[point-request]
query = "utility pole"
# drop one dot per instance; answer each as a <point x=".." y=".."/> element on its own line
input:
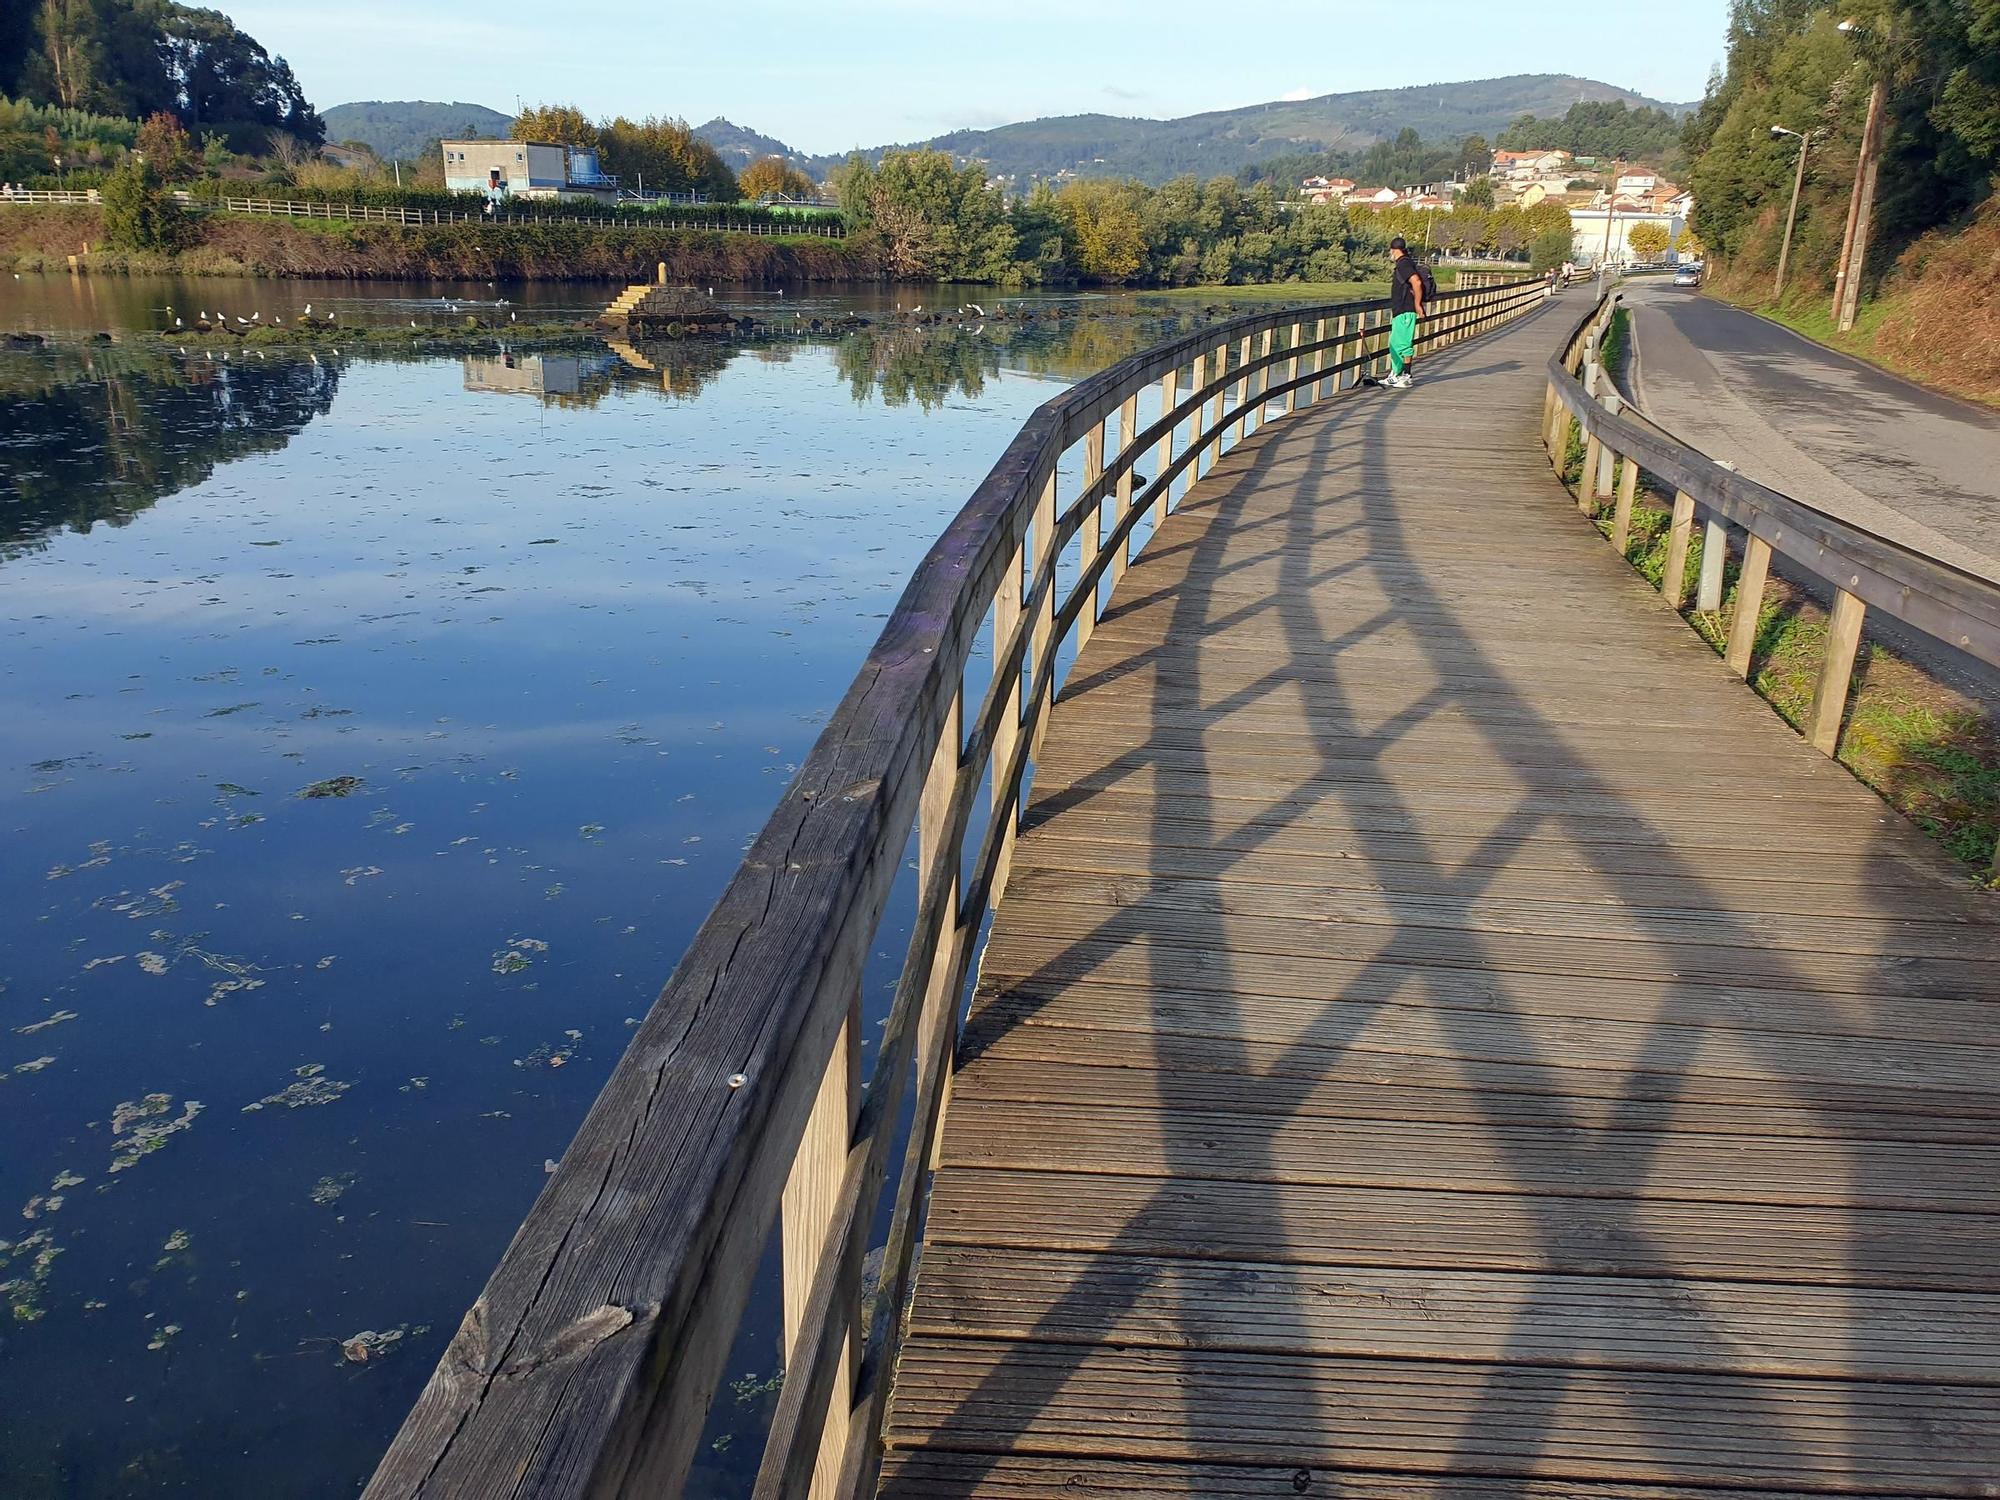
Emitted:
<point x="1861" y="205"/>
<point x="1792" y="216"/>
<point x="1860" y="210"/>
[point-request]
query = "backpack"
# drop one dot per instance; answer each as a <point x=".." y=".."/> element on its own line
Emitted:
<point x="1429" y="281"/>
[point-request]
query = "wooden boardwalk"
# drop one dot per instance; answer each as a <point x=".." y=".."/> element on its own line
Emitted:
<point x="1445" y="1037"/>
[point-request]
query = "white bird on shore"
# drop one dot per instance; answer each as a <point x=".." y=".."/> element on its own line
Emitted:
<point x="179" y="324"/>
<point x="243" y="320"/>
<point x="977" y="308"/>
<point x="256" y="317"/>
<point x="309" y="309"/>
<point x="413" y="322"/>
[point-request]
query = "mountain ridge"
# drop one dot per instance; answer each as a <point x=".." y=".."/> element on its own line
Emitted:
<point x="1210" y="143"/>
<point x="404" y="129"/>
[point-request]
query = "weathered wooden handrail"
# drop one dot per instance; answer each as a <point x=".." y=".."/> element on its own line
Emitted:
<point x="1862" y="569"/>
<point x="587" y="1365"/>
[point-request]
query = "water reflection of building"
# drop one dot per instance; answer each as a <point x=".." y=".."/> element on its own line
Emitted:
<point x="545" y="376"/>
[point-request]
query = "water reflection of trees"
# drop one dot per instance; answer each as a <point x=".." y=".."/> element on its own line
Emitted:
<point x="896" y="364"/>
<point x="89" y="436"/>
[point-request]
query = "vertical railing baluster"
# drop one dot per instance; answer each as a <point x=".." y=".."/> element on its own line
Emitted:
<point x="1749" y="604"/>
<point x="1829" y="704"/>
<point x="1093" y="531"/>
<point x="1243" y="391"/>
<point x="1621" y="515"/>
<point x="1680" y="531"/>
<point x="1043" y="642"/>
<point x="1128" y="427"/>
<point x="1292" y="370"/>
<point x="1163" y="455"/>
<point x="810" y="1200"/>
<point x="1196" y="380"/>
<point x="1714" y="554"/>
<point x="1007" y="730"/>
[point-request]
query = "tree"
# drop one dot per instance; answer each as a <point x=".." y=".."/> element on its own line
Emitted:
<point x="1478" y="193"/>
<point x="1107" y="242"/>
<point x="666" y="155"/>
<point x="164" y="142"/>
<point x="1549" y="249"/>
<point x="223" y="79"/>
<point x="1647" y="239"/>
<point x="773" y="176"/>
<point x="555" y="124"/>
<point x="138" y="214"/>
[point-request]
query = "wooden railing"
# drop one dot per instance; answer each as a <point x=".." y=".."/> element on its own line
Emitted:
<point x="587" y="1366"/>
<point x="722" y="223"/>
<point x="1859" y="569"/>
<point x="363" y="213"/>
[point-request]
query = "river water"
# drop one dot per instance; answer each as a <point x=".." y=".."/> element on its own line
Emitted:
<point x="374" y="734"/>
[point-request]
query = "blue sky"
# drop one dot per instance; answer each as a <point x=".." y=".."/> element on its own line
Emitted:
<point x="825" y="75"/>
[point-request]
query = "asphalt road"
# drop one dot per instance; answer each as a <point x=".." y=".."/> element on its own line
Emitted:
<point x="1913" y="466"/>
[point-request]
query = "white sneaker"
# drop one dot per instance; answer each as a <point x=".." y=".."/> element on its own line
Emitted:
<point x="1398" y="382"/>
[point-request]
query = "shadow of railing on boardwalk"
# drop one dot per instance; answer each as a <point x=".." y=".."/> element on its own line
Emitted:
<point x="1551" y="1123"/>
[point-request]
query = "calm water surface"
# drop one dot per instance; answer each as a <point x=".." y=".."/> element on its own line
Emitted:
<point x="373" y="737"/>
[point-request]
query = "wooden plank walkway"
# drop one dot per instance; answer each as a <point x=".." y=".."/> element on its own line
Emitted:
<point x="1445" y="1037"/>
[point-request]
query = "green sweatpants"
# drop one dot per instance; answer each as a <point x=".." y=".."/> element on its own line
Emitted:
<point x="1402" y="341"/>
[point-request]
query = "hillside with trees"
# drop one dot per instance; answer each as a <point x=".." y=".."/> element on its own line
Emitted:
<point x="135" y="58"/>
<point x="407" y="129"/>
<point x="1609" y="129"/>
<point x="1258" y="141"/>
<point x="1936" y="230"/>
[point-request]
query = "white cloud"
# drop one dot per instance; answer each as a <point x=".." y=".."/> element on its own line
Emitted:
<point x="1297" y="94"/>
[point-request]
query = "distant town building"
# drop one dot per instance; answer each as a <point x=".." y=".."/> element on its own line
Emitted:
<point x="526" y="169"/>
<point x="1373" y="197"/>
<point x="1327" y="189"/>
<point x="1527" y="165"/>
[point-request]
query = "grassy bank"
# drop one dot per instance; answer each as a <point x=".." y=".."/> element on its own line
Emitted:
<point x="43" y="239"/>
<point x="1930" y="751"/>
<point x="1935" y="318"/>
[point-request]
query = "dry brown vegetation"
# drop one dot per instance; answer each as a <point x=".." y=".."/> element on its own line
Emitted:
<point x="1935" y="317"/>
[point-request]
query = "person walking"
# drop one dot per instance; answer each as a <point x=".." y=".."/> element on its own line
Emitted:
<point x="1408" y="282"/>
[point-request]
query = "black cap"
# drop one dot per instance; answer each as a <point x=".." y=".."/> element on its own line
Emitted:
<point x="1397" y="243"/>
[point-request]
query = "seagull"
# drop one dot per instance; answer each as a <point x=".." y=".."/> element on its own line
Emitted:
<point x="413" y="322"/>
<point x="179" y="324"/>
<point x="510" y="317"/>
<point x="309" y="309"/>
<point x="243" y="320"/>
<point x="329" y="317"/>
<point x="256" y="317"/>
<point x="977" y="308"/>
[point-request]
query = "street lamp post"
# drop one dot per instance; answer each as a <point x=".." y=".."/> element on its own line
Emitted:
<point x="1778" y="132"/>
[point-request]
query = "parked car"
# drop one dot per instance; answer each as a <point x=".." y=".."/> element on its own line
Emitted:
<point x="1688" y="276"/>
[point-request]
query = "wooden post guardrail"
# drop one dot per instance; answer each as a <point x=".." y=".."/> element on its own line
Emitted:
<point x="587" y="1365"/>
<point x="1862" y="570"/>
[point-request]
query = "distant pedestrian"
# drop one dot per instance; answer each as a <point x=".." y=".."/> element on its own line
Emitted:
<point x="1409" y="285"/>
